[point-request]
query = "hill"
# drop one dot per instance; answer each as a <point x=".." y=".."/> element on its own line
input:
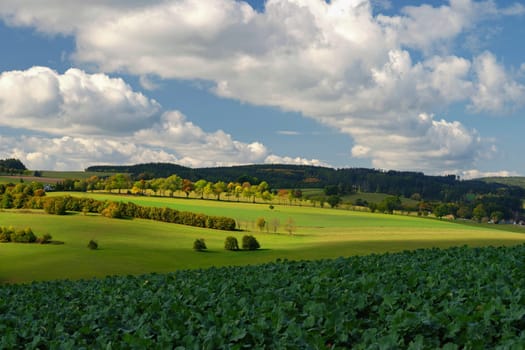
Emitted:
<point x="518" y="181"/>
<point x="403" y="183"/>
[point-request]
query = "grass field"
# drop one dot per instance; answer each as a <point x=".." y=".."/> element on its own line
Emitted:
<point x="140" y="246"/>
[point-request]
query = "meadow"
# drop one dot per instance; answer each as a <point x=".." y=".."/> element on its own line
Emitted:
<point x="142" y="246"/>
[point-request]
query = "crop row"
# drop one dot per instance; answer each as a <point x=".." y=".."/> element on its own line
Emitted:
<point x="455" y="298"/>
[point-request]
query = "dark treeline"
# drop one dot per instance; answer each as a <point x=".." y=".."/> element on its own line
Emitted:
<point x="398" y="183"/>
<point x="11" y="166"/>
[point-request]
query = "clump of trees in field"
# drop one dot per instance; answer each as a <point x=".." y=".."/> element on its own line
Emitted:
<point x="22" y="235"/>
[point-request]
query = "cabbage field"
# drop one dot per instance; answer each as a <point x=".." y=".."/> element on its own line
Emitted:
<point x="428" y="298"/>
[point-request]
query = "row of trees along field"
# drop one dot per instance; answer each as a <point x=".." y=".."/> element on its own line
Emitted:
<point x="463" y="199"/>
<point x="32" y="196"/>
<point x="447" y="188"/>
<point x="175" y="185"/>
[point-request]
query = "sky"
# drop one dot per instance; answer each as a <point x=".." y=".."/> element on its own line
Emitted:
<point x="430" y="86"/>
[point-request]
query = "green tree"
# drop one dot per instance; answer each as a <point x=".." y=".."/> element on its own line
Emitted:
<point x="250" y="243"/>
<point x="479" y="212"/>
<point x="199" y="244"/>
<point x="389" y="204"/>
<point x="334" y="200"/>
<point x="218" y="188"/>
<point x="231" y="243"/>
<point x="173" y="184"/>
<point x="290" y="226"/>
<point x="119" y="182"/>
<point x="199" y="187"/>
<point x="260" y="223"/>
<point x="441" y="210"/>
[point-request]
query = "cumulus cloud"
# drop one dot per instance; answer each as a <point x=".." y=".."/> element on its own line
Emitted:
<point x="74" y="102"/>
<point x="275" y="159"/>
<point x="336" y="62"/>
<point x="496" y="91"/>
<point x="196" y="147"/>
<point x="476" y="174"/>
<point x="75" y="153"/>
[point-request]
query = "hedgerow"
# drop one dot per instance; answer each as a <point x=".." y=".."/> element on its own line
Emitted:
<point x="456" y="298"/>
<point x="112" y="209"/>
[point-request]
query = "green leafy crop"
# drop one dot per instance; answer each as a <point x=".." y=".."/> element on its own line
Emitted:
<point x="453" y="298"/>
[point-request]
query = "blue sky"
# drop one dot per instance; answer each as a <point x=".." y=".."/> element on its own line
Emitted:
<point x="432" y="86"/>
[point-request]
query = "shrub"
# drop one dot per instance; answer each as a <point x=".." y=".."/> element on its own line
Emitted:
<point x="250" y="243"/>
<point x="231" y="243"/>
<point x="92" y="245"/>
<point x="24" y="236"/>
<point x="6" y="233"/>
<point x="46" y="238"/>
<point x="199" y="245"/>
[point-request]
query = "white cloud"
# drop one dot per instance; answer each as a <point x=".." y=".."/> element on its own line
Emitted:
<point x="476" y="174"/>
<point x="275" y="159"/>
<point x="76" y="153"/>
<point x="196" y="147"/>
<point x="496" y="90"/>
<point x="288" y="132"/>
<point x="335" y="62"/>
<point x="74" y="102"/>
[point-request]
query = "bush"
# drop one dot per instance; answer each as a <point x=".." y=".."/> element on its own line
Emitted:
<point x="250" y="243"/>
<point x="6" y="233"/>
<point x="46" y="238"/>
<point x="24" y="236"/>
<point x="92" y="245"/>
<point x="231" y="243"/>
<point x="199" y="245"/>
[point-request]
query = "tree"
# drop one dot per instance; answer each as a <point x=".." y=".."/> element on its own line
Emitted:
<point x="231" y="243"/>
<point x="479" y="212"/>
<point x="199" y="245"/>
<point x="275" y="224"/>
<point x="199" y="187"/>
<point x="173" y="184"/>
<point x="250" y="243"/>
<point x="290" y="226"/>
<point x="496" y="216"/>
<point x="389" y="204"/>
<point x="261" y="223"/>
<point x="93" y="245"/>
<point x="334" y="200"/>
<point x="140" y="186"/>
<point x="441" y="210"/>
<point x="218" y="188"/>
<point x="187" y="187"/>
<point x="119" y="182"/>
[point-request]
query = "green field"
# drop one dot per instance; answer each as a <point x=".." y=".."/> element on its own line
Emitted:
<point x="141" y="246"/>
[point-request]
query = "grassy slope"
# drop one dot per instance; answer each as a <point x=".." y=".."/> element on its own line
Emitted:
<point x="510" y="180"/>
<point x="140" y="246"/>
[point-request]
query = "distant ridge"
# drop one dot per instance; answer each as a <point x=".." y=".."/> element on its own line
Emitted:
<point x="403" y="183"/>
<point x="518" y="181"/>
